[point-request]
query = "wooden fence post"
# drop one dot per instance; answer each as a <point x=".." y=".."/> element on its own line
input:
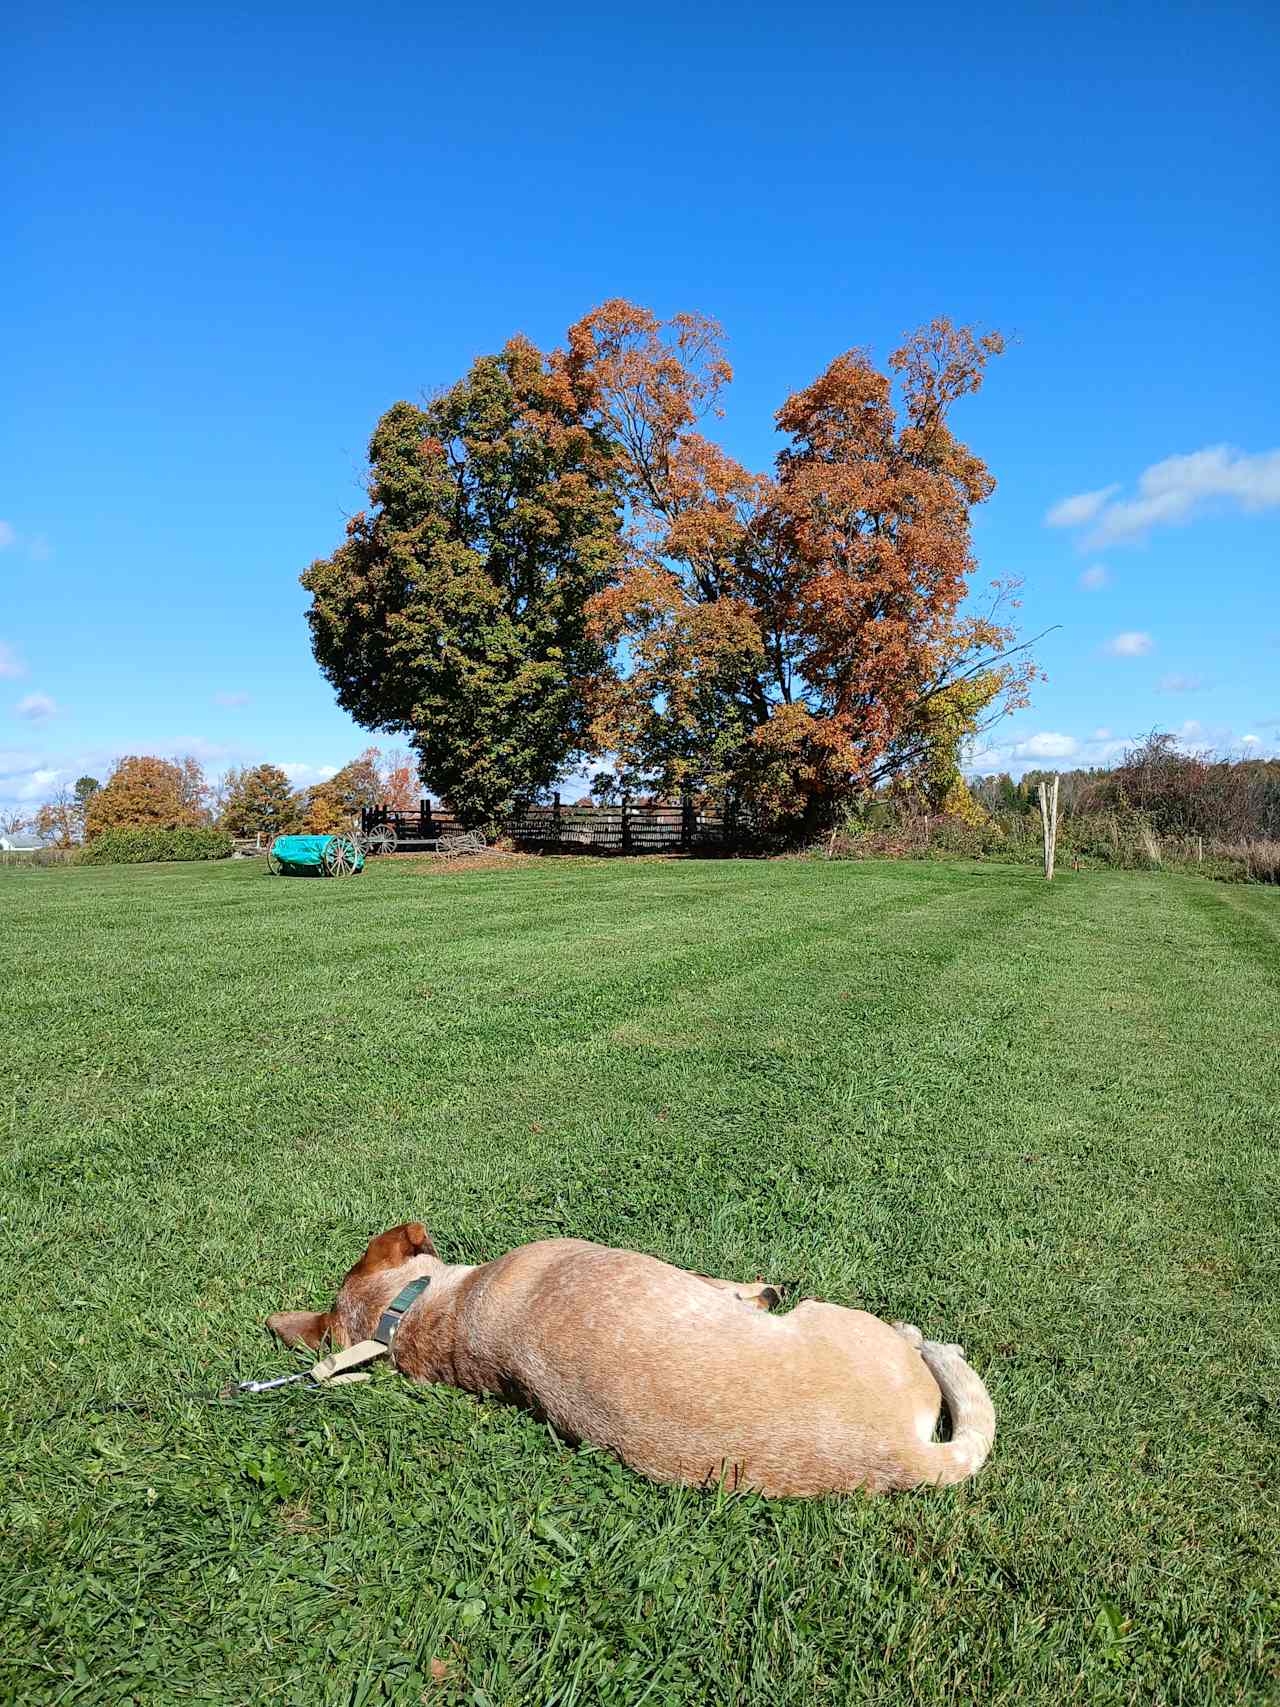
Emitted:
<point x="686" y="821"/>
<point x="556" y="799"/>
<point x="1049" y="825"/>
<point x="626" y="823"/>
<point x="1053" y="844"/>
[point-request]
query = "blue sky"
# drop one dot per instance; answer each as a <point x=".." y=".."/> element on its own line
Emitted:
<point x="237" y="236"/>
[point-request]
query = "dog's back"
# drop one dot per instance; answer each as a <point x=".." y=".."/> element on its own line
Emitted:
<point x="682" y="1380"/>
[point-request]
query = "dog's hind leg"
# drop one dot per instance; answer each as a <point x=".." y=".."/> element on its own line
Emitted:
<point x="909" y="1332"/>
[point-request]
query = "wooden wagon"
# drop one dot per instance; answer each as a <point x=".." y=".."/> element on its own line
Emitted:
<point x="315" y="856"/>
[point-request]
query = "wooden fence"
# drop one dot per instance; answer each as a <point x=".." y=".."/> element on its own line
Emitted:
<point x="631" y="827"/>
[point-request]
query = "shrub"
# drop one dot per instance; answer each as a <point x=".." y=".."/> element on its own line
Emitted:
<point x="1246" y="861"/>
<point x="140" y="847"/>
<point x="1123" y="839"/>
<point x="880" y="832"/>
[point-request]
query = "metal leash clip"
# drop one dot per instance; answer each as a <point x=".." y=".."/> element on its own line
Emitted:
<point x="337" y="1370"/>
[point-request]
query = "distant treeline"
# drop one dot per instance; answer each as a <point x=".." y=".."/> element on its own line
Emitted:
<point x="1177" y="793"/>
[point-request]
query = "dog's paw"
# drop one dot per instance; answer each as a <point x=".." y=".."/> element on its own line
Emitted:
<point x="944" y="1349"/>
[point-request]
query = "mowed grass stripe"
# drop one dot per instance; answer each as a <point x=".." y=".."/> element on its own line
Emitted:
<point x="1036" y="1119"/>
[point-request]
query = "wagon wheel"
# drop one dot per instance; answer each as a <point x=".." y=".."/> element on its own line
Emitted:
<point x="448" y="847"/>
<point x="478" y="843"/>
<point x="340" y="856"/>
<point x="382" y="840"/>
<point x="275" y="865"/>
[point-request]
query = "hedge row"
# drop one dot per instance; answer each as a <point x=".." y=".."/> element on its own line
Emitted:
<point x="139" y="847"/>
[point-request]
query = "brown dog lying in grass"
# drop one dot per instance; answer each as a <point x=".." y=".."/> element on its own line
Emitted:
<point x="685" y="1378"/>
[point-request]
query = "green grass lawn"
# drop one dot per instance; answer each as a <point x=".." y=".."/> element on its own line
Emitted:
<point x="1042" y="1121"/>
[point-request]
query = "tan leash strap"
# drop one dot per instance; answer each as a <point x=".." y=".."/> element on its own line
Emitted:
<point x="335" y="1368"/>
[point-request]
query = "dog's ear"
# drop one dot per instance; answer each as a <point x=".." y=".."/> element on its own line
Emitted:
<point x="305" y="1327"/>
<point x="396" y="1245"/>
<point x="418" y="1238"/>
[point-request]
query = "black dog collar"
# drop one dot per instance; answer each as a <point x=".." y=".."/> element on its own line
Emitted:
<point x="400" y="1305"/>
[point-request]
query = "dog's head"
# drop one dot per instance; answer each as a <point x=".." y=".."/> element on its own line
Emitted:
<point x="391" y="1261"/>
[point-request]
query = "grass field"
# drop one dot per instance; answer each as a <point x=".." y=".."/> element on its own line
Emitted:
<point x="1042" y="1121"/>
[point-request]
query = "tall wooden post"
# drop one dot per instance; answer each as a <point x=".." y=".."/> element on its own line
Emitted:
<point x="1049" y="825"/>
<point x="686" y="821"/>
<point x="556" y="816"/>
<point x="626" y="823"/>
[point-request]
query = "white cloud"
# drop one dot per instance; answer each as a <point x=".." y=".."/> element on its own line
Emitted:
<point x="1173" y="492"/>
<point x="1180" y="684"/>
<point x="195" y="747"/>
<point x="1250" y="740"/>
<point x="300" y="773"/>
<point x="1132" y="644"/>
<point x="1075" y="512"/>
<point x="1193" y="738"/>
<point x="36" y="707"/>
<point x="231" y="699"/>
<point x="1037" y="751"/>
<point x="16" y="760"/>
<point x="30" y="775"/>
<point x="34" y="785"/>
<point x="1094" y="577"/>
<point x="7" y="535"/>
<point x="1047" y="745"/>
<point x="11" y="666"/>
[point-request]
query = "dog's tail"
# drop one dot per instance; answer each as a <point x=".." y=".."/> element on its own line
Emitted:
<point x="973" y="1417"/>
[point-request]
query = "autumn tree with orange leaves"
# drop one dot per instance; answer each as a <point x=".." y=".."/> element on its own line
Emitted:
<point x="144" y="792"/>
<point x="797" y="637"/>
<point x="801" y="636"/>
<point x="401" y="789"/>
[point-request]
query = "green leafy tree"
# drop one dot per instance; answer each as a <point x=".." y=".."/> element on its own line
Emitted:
<point x="260" y="801"/>
<point x="454" y="613"/>
<point x="933" y="742"/>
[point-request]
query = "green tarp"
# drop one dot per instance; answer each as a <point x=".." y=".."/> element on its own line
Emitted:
<point x="311" y="853"/>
